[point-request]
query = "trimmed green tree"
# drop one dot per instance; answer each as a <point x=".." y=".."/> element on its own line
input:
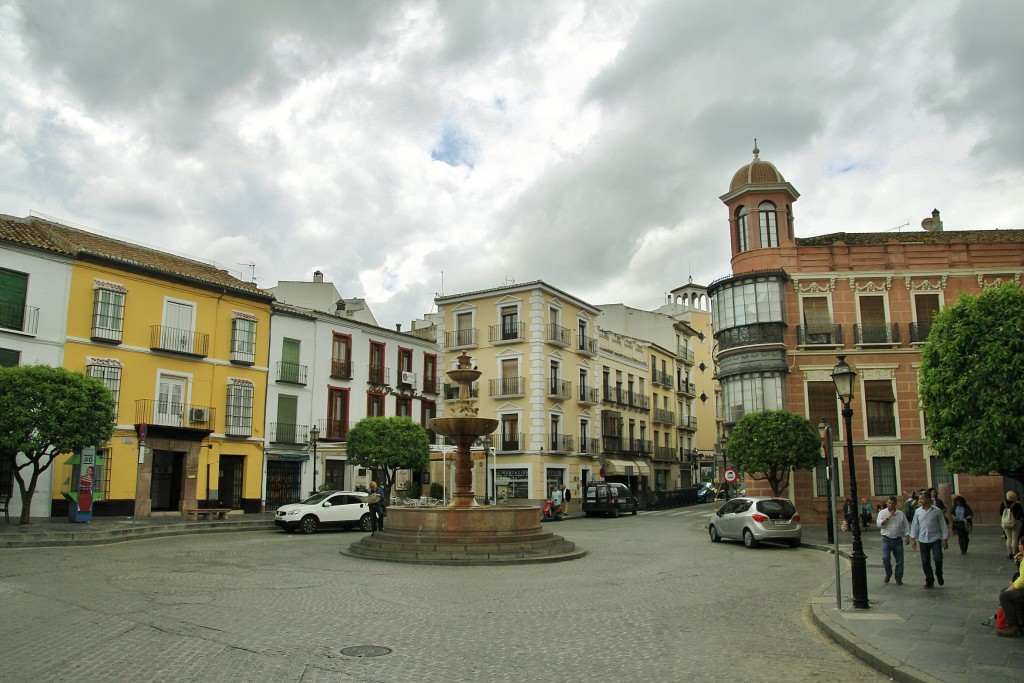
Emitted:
<point x="768" y="444"/>
<point x="972" y="383"/>
<point x="46" y="411"/>
<point x="386" y="445"/>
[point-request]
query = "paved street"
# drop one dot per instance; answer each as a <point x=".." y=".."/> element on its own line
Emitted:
<point x="653" y="600"/>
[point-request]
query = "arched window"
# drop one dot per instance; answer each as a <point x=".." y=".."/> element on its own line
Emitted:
<point x="769" y="230"/>
<point x="741" y="228"/>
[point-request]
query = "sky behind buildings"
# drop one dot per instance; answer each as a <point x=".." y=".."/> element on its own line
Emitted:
<point x="407" y="149"/>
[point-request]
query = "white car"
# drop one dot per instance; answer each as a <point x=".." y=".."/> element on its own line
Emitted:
<point x="344" y="509"/>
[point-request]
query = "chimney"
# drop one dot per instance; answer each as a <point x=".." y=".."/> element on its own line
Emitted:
<point x="933" y="224"/>
<point x="318" y="276"/>
<point x="398" y="327"/>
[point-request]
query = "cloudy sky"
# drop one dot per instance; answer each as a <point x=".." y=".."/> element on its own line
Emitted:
<point x="411" y="148"/>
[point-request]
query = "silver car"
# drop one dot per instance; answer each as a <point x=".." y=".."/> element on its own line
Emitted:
<point x="753" y="519"/>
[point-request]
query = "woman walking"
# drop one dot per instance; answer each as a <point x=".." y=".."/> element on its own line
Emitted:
<point x="963" y="521"/>
<point x="1010" y="515"/>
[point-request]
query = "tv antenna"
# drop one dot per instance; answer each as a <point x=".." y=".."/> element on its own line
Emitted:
<point x="252" y="271"/>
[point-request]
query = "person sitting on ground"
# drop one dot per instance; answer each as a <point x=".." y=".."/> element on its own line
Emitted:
<point x="1011" y="600"/>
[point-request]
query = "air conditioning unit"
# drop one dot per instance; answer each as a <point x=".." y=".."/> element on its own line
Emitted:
<point x="408" y="378"/>
<point x="199" y="415"/>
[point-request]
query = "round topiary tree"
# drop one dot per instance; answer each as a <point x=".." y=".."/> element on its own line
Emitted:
<point x="768" y="444"/>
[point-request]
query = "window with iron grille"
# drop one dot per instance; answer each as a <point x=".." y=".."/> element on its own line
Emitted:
<point x="109" y="374"/>
<point x="821" y="476"/>
<point x="107" y="314"/>
<point x="243" y="340"/>
<point x="884" y="471"/>
<point x="940" y="475"/>
<point x="880" y="405"/>
<point x="238" y="418"/>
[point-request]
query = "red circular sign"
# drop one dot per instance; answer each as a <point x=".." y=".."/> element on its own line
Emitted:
<point x="730" y="475"/>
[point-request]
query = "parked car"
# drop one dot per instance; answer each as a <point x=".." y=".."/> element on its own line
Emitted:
<point x="345" y="509"/>
<point x="705" y="493"/>
<point x="609" y="498"/>
<point x="755" y="519"/>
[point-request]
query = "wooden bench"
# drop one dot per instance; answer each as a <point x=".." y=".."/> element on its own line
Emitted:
<point x="193" y="514"/>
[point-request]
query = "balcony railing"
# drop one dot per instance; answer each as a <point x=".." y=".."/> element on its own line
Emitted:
<point x="638" y="401"/>
<point x="378" y="374"/>
<point x="665" y="453"/>
<point x="509" y="442"/>
<point x="833" y="337"/>
<point x="479" y="442"/>
<point x="15" y="316"/>
<point x="341" y="369"/>
<point x="175" y="340"/>
<point x="880" y="334"/>
<point x="508" y="386"/>
<point x="560" y="443"/>
<point x="589" y="445"/>
<point x="559" y="388"/>
<point x="332" y="429"/>
<point x="175" y="414"/>
<point x="289" y="433"/>
<point x="431" y="384"/>
<point x="507" y="332"/>
<point x="589" y="395"/>
<point x="688" y="388"/>
<point x="559" y="335"/>
<point x="662" y="378"/>
<point x="291" y="373"/>
<point x="919" y="332"/>
<point x="687" y="422"/>
<point x="451" y="391"/>
<point x="686" y="355"/>
<point x="664" y="416"/>
<point x="750" y="335"/>
<point x="587" y="346"/>
<point x="459" y="338"/>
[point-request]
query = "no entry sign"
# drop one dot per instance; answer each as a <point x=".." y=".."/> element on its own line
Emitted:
<point x="730" y="475"/>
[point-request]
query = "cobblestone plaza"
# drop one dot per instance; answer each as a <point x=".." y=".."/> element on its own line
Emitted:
<point x="652" y="598"/>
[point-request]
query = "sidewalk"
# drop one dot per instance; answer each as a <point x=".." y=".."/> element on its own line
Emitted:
<point x="57" y="531"/>
<point x="915" y="634"/>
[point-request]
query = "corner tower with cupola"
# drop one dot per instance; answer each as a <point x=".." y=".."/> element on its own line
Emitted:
<point x="760" y="205"/>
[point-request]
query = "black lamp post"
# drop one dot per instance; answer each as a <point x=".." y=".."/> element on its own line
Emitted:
<point x="844" y="376"/>
<point x="826" y="447"/>
<point x="314" y="436"/>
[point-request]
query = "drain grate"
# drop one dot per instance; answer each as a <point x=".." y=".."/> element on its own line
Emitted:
<point x="365" y="651"/>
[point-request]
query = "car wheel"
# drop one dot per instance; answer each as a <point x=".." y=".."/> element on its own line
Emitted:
<point x="748" y="539"/>
<point x="308" y="524"/>
<point x="615" y="511"/>
<point x="713" y="533"/>
<point x="635" y="509"/>
<point x="366" y="522"/>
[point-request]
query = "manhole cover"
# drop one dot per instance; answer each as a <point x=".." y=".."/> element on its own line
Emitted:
<point x="365" y="651"/>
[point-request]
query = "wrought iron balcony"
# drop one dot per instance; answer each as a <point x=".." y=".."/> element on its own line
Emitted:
<point x="757" y="334"/>
<point x="508" y="386"/>
<point x="507" y="443"/>
<point x="589" y="395"/>
<point x="460" y="338"/>
<point x="291" y="373"/>
<point x="560" y="443"/>
<point x="288" y="433"/>
<point x="662" y="378"/>
<point x="559" y="335"/>
<point x="664" y="416"/>
<point x="15" y="316"/>
<point x="919" y="332"/>
<point x="688" y="388"/>
<point x="378" y="374"/>
<point x="451" y="391"/>
<point x="877" y="334"/>
<point x="589" y="445"/>
<point x="685" y="355"/>
<point x="587" y="346"/>
<point x="175" y="414"/>
<point x="175" y="340"/>
<point x="687" y="422"/>
<point x="431" y="383"/>
<point x="665" y="453"/>
<point x="341" y="369"/>
<point x="507" y="333"/>
<point x="559" y="388"/>
<point x="332" y="429"/>
<point x="833" y="337"/>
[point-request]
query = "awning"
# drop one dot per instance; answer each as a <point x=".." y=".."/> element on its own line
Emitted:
<point x="626" y="468"/>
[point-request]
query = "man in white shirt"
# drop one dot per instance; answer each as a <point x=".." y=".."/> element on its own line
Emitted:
<point x="895" y="534"/>
<point x="930" y="530"/>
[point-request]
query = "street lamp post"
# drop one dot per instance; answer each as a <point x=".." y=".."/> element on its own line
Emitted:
<point x="314" y="436"/>
<point x="844" y="376"/>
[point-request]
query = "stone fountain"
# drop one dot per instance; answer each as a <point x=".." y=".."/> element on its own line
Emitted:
<point x="464" y="532"/>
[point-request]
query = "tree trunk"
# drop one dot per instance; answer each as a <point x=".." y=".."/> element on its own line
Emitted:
<point x="26" y="506"/>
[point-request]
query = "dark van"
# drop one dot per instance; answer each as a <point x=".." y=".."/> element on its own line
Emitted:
<point x="609" y="498"/>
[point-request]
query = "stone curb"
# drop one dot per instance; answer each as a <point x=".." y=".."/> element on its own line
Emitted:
<point x="867" y="653"/>
<point x="54" y="539"/>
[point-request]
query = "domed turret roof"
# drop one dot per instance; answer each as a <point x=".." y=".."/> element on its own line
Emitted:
<point x="757" y="172"/>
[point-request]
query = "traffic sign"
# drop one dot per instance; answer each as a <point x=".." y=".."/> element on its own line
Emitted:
<point x="730" y="475"/>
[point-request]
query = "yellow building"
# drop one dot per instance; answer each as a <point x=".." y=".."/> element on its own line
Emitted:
<point x="537" y="348"/>
<point x="184" y="347"/>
